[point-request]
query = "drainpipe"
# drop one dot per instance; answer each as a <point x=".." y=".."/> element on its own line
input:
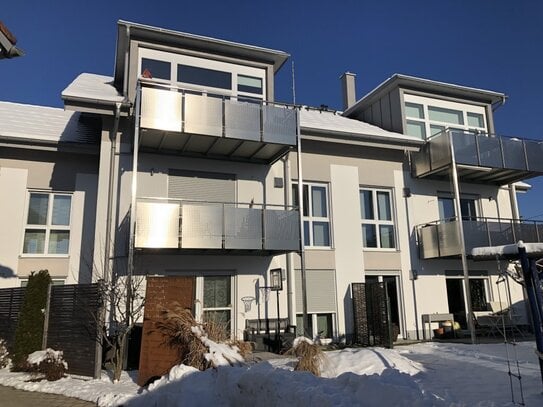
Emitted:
<point x="291" y="313"/>
<point x="126" y="60"/>
<point x="460" y="231"/>
<point x="111" y="185"/>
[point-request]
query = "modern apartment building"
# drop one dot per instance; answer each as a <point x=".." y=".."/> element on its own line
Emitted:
<point x="182" y="168"/>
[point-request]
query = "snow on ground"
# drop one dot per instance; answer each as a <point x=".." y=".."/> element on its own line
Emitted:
<point x="429" y="374"/>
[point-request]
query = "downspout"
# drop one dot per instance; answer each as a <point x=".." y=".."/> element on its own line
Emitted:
<point x="126" y="60"/>
<point x="514" y="202"/>
<point x="111" y="185"/>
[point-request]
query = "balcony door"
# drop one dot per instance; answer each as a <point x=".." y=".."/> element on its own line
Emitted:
<point x="447" y="210"/>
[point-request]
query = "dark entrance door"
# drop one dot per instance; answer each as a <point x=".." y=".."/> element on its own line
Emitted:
<point x="455" y="299"/>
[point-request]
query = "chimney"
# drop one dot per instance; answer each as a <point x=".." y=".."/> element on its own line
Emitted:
<point x="348" y="89"/>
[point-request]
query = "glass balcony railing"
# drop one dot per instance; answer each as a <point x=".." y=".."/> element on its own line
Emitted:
<point x="169" y="108"/>
<point x="441" y="239"/>
<point x="179" y="224"/>
<point x="480" y="157"/>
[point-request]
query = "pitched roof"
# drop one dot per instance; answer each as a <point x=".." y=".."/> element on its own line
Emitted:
<point x="50" y="125"/>
<point x="92" y="88"/>
<point x="332" y="124"/>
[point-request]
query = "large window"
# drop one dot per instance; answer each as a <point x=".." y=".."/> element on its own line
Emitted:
<point x="47" y="228"/>
<point x="315" y="213"/>
<point x="377" y="219"/>
<point x="426" y="117"/>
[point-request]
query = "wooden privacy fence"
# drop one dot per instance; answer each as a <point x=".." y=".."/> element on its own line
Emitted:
<point x="70" y="323"/>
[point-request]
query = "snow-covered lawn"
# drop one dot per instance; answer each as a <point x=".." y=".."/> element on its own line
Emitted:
<point x="429" y="374"/>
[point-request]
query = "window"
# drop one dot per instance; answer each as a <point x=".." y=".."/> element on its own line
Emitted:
<point x="204" y="77"/>
<point x="377" y="222"/>
<point x="24" y="282"/>
<point x="316" y="214"/>
<point x="217" y="300"/>
<point x="447" y="210"/>
<point x="324" y="323"/>
<point x="47" y="228"/>
<point x="151" y="68"/>
<point x="249" y="84"/>
<point x="429" y="116"/>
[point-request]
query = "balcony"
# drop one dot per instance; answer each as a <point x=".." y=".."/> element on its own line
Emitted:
<point x="214" y="126"/>
<point x="441" y="239"/>
<point x="216" y="226"/>
<point x="480" y="158"/>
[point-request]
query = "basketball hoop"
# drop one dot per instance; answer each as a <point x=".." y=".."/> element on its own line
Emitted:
<point x="247" y="301"/>
<point x="265" y="292"/>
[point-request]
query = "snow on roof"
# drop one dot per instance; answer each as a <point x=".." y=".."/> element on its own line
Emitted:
<point x="507" y="251"/>
<point x="92" y="87"/>
<point x="322" y="120"/>
<point x="42" y="123"/>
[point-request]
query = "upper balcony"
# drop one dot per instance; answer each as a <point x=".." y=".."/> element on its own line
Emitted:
<point x="214" y="126"/>
<point x="441" y="239"/>
<point x="480" y="158"/>
<point x="197" y="226"/>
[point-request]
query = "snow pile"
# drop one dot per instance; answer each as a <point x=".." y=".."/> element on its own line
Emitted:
<point x="220" y="354"/>
<point x="50" y="355"/>
<point x="264" y="385"/>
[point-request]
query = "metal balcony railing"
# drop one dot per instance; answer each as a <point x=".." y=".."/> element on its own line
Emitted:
<point x="180" y="224"/>
<point x="441" y="239"/>
<point x="166" y="107"/>
<point x="480" y="157"/>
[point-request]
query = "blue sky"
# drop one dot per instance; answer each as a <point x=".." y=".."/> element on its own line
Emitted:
<point x="489" y="44"/>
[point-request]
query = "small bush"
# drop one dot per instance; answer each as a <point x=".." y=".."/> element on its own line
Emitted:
<point x="310" y="356"/>
<point x="29" y="331"/>
<point x="4" y="354"/>
<point x="48" y="363"/>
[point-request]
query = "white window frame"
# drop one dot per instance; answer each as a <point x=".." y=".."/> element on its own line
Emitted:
<point x="48" y="227"/>
<point x="199" y="303"/>
<point x="486" y="283"/>
<point x="376" y="221"/>
<point x="234" y="69"/>
<point x="310" y="218"/>
<point x="313" y="316"/>
<point x="427" y="102"/>
<point x="54" y="281"/>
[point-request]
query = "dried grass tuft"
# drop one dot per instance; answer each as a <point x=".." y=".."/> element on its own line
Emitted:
<point x="176" y="326"/>
<point x="310" y="357"/>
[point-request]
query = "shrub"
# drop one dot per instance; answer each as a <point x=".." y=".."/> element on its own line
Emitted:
<point x="4" y="354"/>
<point x="48" y="362"/>
<point x="29" y="331"/>
<point x="310" y="356"/>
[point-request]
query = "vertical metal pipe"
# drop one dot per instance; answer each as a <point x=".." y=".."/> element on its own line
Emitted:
<point x="134" y="191"/>
<point x="302" y="239"/>
<point x="291" y="313"/>
<point x="513" y="200"/>
<point x="460" y="230"/>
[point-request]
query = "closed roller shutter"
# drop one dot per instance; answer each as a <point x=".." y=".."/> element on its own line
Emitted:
<point x="201" y="186"/>
<point x="321" y="291"/>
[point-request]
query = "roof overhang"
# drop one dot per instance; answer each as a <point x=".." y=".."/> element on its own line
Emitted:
<point x="7" y="44"/>
<point x="427" y="86"/>
<point x="127" y="31"/>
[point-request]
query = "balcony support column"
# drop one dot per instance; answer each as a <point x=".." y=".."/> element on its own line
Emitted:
<point x="134" y="191"/>
<point x="305" y="318"/>
<point x="460" y="229"/>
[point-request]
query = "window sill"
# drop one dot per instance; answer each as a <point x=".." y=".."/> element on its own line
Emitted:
<point x="323" y="248"/>
<point x="44" y="256"/>
<point x="378" y="249"/>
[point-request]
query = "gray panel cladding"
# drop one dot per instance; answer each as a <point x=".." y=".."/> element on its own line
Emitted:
<point x="396" y="111"/>
<point x="385" y="112"/>
<point x="321" y="291"/>
<point x="201" y="186"/>
<point x="376" y="113"/>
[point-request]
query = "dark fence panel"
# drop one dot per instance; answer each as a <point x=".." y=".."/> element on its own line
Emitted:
<point x="73" y="328"/>
<point x="371" y="311"/>
<point x="11" y="300"/>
